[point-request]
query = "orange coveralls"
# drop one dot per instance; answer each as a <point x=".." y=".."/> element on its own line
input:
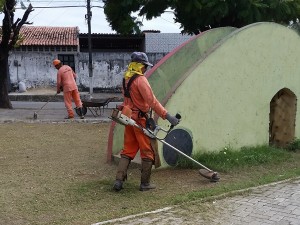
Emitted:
<point x="142" y="98"/>
<point x="66" y="79"/>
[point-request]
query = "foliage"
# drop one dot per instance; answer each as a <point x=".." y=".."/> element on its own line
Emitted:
<point x="227" y="159"/>
<point x="295" y="145"/>
<point x="295" y="25"/>
<point x="196" y="16"/>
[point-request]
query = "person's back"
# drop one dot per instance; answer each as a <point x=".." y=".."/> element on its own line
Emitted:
<point x="66" y="78"/>
<point x="66" y="81"/>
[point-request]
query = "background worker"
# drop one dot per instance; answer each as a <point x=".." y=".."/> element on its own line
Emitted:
<point x="139" y="97"/>
<point x="66" y="81"/>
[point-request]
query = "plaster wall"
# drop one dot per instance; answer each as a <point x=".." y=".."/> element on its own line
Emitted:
<point x="170" y="71"/>
<point x="225" y="100"/>
<point x="36" y="69"/>
<point x="33" y="68"/>
<point x="164" y="42"/>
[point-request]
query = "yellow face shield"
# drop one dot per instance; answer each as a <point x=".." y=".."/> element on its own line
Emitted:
<point x="134" y="68"/>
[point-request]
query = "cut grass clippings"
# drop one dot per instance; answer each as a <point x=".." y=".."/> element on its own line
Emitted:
<point x="58" y="174"/>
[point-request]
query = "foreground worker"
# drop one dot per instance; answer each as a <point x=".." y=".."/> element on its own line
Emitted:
<point x="139" y="97"/>
<point x="66" y="81"/>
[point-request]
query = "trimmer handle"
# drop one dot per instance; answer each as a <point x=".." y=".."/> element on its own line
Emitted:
<point x="178" y="116"/>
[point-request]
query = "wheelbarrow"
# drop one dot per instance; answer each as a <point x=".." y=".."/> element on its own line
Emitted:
<point x="95" y="106"/>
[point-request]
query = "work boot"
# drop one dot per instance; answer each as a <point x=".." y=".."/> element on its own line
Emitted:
<point x="118" y="185"/>
<point x="81" y="113"/>
<point x="69" y="117"/>
<point x="146" y="174"/>
<point x="121" y="172"/>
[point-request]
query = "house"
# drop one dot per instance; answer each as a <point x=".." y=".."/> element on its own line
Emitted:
<point x="31" y="62"/>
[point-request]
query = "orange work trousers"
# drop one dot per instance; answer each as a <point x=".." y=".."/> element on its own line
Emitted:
<point x="135" y="140"/>
<point x="68" y="96"/>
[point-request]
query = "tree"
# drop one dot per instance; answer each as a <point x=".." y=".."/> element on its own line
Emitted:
<point x="9" y="36"/>
<point x="196" y="16"/>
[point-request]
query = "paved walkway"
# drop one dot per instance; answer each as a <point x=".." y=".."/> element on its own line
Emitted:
<point x="277" y="203"/>
<point x="36" y="101"/>
<point x="51" y="112"/>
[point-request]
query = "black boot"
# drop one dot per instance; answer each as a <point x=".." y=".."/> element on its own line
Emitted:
<point x="121" y="173"/>
<point x="81" y="113"/>
<point x="146" y="174"/>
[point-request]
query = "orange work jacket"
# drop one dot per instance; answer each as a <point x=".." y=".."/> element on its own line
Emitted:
<point x="66" y="79"/>
<point x="142" y="98"/>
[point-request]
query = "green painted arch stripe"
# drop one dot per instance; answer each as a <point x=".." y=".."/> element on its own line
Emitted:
<point x="172" y="69"/>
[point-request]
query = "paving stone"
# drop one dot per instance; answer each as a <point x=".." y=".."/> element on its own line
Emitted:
<point x="267" y="205"/>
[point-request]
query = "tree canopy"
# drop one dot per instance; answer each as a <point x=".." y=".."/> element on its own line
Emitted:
<point x="196" y="16"/>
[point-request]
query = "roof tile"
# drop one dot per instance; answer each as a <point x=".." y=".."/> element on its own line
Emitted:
<point x="55" y="36"/>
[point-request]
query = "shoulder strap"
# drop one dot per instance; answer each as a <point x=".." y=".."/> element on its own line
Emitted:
<point x="126" y="89"/>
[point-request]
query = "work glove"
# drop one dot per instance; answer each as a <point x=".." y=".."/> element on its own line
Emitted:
<point x="172" y="119"/>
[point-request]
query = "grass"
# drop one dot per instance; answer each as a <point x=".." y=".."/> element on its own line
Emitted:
<point x="229" y="159"/>
<point x="258" y="165"/>
<point x="57" y="174"/>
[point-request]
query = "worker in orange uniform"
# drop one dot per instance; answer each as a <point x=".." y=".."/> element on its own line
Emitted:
<point x="139" y="97"/>
<point x="66" y="81"/>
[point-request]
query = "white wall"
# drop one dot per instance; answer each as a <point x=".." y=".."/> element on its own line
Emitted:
<point x="36" y="69"/>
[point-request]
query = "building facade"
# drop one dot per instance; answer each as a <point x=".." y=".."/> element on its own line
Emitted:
<point x="31" y="62"/>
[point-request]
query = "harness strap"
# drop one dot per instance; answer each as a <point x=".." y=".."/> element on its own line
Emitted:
<point x="126" y="89"/>
<point x="127" y="94"/>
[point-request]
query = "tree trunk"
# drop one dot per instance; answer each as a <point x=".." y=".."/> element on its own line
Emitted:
<point x="4" y="99"/>
<point x="8" y="39"/>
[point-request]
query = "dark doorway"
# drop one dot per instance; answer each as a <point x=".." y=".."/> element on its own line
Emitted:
<point x="283" y="107"/>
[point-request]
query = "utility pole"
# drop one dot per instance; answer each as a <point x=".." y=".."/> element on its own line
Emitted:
<point x="89" y="17"/>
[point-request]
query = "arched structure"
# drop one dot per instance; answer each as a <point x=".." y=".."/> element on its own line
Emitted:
<point x="222" y="82"/>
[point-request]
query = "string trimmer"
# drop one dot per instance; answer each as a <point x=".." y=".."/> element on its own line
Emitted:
<point x="124" y="118"/>
<point x="35" y="114"/>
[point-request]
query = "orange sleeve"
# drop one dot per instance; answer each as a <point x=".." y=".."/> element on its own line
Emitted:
<point x="149" y="98"/>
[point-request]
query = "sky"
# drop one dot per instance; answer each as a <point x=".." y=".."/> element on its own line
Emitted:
<point x="75" y="16"/>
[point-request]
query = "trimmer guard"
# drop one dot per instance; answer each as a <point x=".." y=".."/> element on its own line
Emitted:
<point x="211" y="175"/>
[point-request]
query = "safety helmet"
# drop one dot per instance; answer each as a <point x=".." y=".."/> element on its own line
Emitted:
<point x="56" y="62"/>
<point x="140" y="57"/>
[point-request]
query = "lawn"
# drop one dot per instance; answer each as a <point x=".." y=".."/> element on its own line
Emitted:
<point x="56" y="173"/>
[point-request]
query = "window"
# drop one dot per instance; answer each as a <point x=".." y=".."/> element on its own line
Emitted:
<point x="67" y="60"/>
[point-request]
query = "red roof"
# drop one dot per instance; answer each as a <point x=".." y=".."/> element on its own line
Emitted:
<point x="66" y="36"/>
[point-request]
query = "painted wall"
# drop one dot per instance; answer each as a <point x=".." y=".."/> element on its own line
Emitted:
<point x="171" y="70"/>
<point x="36" y="70"/>
<point x="35" y="67"/>
<point x="224" y="98"/>
<point x="164" y="42"/>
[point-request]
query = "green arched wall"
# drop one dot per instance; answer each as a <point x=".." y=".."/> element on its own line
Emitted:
<point x="225" y="100"/>
<point x="168" y="72"/>
<point x="224" y="97"/>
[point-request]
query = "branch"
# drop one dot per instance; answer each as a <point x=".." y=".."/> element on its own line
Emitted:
<point x="17" y="26"/>
<point x="6" y="28"/>
<point x="15" y="23"/>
